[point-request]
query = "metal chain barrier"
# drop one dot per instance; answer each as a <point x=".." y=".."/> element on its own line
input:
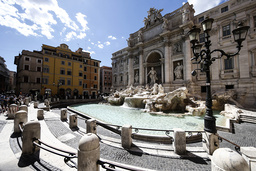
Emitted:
<point x="67" y="157"/>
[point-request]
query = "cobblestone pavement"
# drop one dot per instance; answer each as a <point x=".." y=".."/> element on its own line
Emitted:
<point x="244" y="136"/>
<point x="119" y="155"/>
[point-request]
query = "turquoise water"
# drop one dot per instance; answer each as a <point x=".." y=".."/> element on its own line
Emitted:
<point x="122" y="116"/>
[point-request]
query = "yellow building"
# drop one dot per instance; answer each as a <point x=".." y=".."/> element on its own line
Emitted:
<point x="69" y="74"/>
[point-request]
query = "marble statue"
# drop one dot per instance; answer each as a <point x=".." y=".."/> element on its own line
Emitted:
<point x="153" y="76"/>
<point x="178" y="71"/>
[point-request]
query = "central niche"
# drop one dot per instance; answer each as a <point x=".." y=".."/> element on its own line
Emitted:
<point x="154" y="60"/>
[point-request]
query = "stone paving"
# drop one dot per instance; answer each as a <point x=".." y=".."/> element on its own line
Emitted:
<point x="244" y="136"/>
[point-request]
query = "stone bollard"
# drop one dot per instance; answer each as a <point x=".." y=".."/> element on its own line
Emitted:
<point x="12" y="110"/>
<point x="227" y="159"/>
<point x="46" y="101"/>
<point x="88" y="153"/>
<point x="26" y="101"/>
<point x="73" y="121"/>
<point x="179" y="143"/>
<point x="249" y="154"/>
<point x="91" y="126"/>
<point x="32" y="130"/>
<point x="23" y="107"/>
<point x="63" y="115"/>
<point x="58" y="99"/>
<point x="20" y="117"/>
<point x="40" y="114"/>
<point x="210" y="142"/>
<point x="126" y="136"/>
<point x="35" y="104"/>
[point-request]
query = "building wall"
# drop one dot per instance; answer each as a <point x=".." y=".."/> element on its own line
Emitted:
<point x="62" y="72"/>
<point x="164" y="45"/>
<point x="106" y="80"/>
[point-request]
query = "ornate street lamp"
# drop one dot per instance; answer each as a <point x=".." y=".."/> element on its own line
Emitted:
<point x="204" y="56"/>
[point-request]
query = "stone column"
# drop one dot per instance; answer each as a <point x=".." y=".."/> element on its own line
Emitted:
<point x="187" y="61"/>
<point x="40" y="114"/>
<point x="20" y="117"/>
<point x="179" y="143"/>
<point x="141" y="80"/>
<point x="227" y="159"/>
<point x="131" y="72"/>
<point x="126" y="136"/>
<point x="210" y="142"/>
<point x="91" y="126"/>
<point x="72" y="121"/>
<point x="32" y="130"/>
<point x="88" y="153"/>
<point x="249" y="154"/>
<point x="167" y="57"/>
<point x="63" y="114"/>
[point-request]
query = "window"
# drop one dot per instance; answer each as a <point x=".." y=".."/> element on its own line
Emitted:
<point x="38" y="80"/>
<point x="68" y="82"/>
<point x="26" y="67"/>
<point x="95" y="70"/>
<point x="62" y="62"/>
<point x="95" y="63"/>
<point x="201" y="37"/>
<point x="39" y="61"/>
<point x="38" y="69"/>
<point x="80" y="83"/>
<point x="62" y="71"/>
<point x="85" y="69"/>
<point x="26" y="58"/>
<point x="85" y="85"/>
<point x="105" y="77"/>
<point x="46" y="59"/>
<point x="224" y="9"/>
<point x="84" y="76"/>
<point x="45" y="80"/>
<point x="68" y="72"/>
<point x="121" y="78"/>
<point x="69" y="63"/>
<point x="203" y="89"/>
<point x="62" y="81"/>
<point x="226" y="30"/>
<point x="228" y="63"/>
<point x="95" y="77"/>
<point x="254" y="19"/>
<point x="46" y="70"/>
<point x="81" y="66"/>
<point x="80" y="74"/>
<point x="115" y="79"/>
<point x="229" y="87"/>
<point x="95" y="86"/>
<point x="201" y="19"/>
<point x="25" y="79"/>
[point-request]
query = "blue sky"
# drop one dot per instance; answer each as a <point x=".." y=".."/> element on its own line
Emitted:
<point x="100" y="27"/>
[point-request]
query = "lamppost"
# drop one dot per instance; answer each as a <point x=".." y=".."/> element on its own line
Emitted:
<point x="203" y="56"/>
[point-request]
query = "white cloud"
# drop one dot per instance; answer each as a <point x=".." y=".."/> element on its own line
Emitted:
<point x="100" y="46"/>
<point x="201" y="6"/>
<point x="37" y="18"/>
<point x="112" y="37"/>
<point x="89" y="48"/>
<point x="81" y="19"/>
<point x="70" y="36"/>
<point x="99" y="42"/>
<point x="107" y="43"/>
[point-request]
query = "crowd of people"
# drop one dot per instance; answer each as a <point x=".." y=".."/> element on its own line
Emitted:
<point x="6" y="100"/>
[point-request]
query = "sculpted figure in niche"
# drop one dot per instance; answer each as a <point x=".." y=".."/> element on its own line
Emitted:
<point x="185" y="15"/>
<point x="178" y="71"/>
<point x="140" y="36"/>
<point x="136" y="77"/>
<point x="153" y="75"/>
<point x="177" y="47"/>
<point x="165" y="24"/>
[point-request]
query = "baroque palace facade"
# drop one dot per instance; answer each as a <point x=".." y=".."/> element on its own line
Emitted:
<point x="164" y="46"/>
<point x="58" y="71"/>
